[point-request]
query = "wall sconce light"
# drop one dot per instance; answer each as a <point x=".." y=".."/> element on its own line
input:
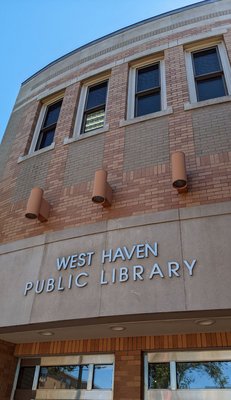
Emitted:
<point x="102" y="191"/>
<point x="37" y="206"/>
<point x="179" y="177"/>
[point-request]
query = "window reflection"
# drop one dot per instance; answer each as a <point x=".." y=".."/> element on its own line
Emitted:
<point x="63" y="377"/>
<point x="204" y="375"/>
<point x="159" y="376"/>
<point x="102" y="378"/>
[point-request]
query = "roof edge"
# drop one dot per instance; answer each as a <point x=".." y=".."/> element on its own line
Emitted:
<point x="121" y="30"/>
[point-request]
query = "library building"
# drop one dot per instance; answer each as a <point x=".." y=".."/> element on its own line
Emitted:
<point x="115" y="267"/>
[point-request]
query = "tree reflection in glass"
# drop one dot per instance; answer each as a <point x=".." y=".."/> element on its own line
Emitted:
<point x="158" y="376"/>
<point x="204" y="375"/>
<point x="63" y="377"/>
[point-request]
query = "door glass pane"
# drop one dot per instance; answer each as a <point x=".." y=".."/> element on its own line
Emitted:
<point x="96" y="95"/>
<point x="211" y="88"/>
<point x="102" y="378"/>
<point x="148" y="78"/>
<point x="25" y="378"/>
<point x="206" y="61"/>
<point x="52" y="114"/>
<point x="147" y="104"/>
<point x="63" y="377"/>
<point x="159" y="376"/>
<point x="204" y="375"/>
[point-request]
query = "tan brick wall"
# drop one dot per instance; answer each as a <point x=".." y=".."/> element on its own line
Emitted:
<point x="31" y="173"/>
<point x="146" y="144"/>
<point x="83" y="159"/>
<point x="211" y="128"/>
<point x="7" y="369"/>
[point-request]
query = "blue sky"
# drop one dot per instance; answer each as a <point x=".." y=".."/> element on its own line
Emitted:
<point x="35" y="32"/>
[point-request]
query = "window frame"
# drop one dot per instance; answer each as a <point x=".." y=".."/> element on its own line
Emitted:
<point x="46" y="103"/>
<point x="80" y="115"/>
<point x="131" y="100"/>
<point x="49" y="361"/>
<point x="225" y="64"/>
<point x="176" y="357"/>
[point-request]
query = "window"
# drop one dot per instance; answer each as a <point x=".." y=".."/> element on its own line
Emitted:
<point x="95" y="105"/>
<point x="85" y="376"/>
<point x="146" y="89"/>
<point x="102" y="377"/>
<point x="46" y="125"/>
<point x="63" y="377"/>
<point x="208" y="73"/>
<point x="47" y="131"/>
<point x="91" y="113"/>
<point x="204" y="375"/>
<point x="158" y="376"/>
<point x="147" y="96"/>
<point x="185" y="372"/>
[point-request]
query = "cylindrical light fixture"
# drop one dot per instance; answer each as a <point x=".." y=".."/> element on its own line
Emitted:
<point x="37" y="206"/>
<point x="179" y="177"/>
<point x="34" y="203"/>
<point x="102" y="192"/>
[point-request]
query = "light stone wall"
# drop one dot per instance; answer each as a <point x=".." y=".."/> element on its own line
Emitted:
<point x="199" y="233"/>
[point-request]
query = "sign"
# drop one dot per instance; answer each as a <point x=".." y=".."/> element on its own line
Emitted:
<point x="117" y="267"/>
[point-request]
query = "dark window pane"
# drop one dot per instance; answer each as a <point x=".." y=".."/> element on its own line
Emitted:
<point x="206" y="61"/>
<point x="147" y="104"/>
<point x="204" y="375"/>
<point x="63" y="377"/>
<point x="210" y="88"/>
<point x="52" y="114"/>
<point x="25" y="378"/>
<point x="159" y="376"/>
<point x="102" y="376"/>
<point x="96" y="96"/>
<point x="45" y="139"/>
<point x="148" y="78"/>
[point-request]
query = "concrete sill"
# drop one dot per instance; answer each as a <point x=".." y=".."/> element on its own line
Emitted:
<point x="125" y="122"/>
<point x="68" y="140"/>
<point x="205" y="103"/>
<point x="36" y="153"/>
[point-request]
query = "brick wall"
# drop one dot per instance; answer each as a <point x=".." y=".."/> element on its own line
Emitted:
<point x="128" y="380"/>
<point x="210" y="128"/>
<point x="7" y="369"/>
<point x="136" y="156"/>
